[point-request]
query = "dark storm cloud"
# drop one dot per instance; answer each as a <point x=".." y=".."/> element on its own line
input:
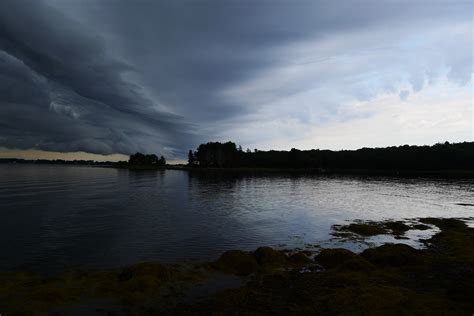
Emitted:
<point x="62" y="91"/>
<point x="109" y="76"/>
<point x="190" y="51"/>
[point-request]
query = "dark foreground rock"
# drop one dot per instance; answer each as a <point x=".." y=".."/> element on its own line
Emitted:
<point x="392" y="279"/>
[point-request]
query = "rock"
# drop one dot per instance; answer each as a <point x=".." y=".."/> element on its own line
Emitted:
<point x="365" y="229"/>
<point x="236" y="261"/>
<point x="398" y="228"/>
<point x="299" y="258"/>
<point x="267" y="256"/>
<point x="421" y="226"/>
<point x="356" y="264"/>
<point x="393" y="255"/>
<point x="331" y="258"/>
<point x="150" y="269"/>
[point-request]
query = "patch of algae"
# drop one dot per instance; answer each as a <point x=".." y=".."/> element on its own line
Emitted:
<point x="236" y="261"/>
<point x="371" y="228"/>
<point x="264" y="259"/>
<point x="30" y="294"/>
<point x="366" y="229"/>
<point x="26" y="293"/>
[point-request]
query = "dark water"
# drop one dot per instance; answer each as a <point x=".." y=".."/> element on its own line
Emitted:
<point x="55" y="217"/>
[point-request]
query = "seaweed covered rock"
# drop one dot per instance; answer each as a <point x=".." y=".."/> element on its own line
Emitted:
<point x="445" y="223"/>
<point x="138" y="282"/>
<point x="393" y="255"/>
<point x="299" y="258"/>
<point x="397" y="228"/>
<point x="453" y="241"/>
<point x="365" y="229"/>
<point x="373" y="299"/>
<point x="421" y="227"/>
<point x="152" y="269"/>
<point x="24" y="293"/>
<point x="330" y="258"/>
<point x="267" y="256"/>
<point x="371" y="228"/>
<point x="357" y="264"/>
<point x="236" y="261"/>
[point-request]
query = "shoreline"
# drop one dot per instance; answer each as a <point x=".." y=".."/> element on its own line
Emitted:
<point x="443" y="173"/>
<point x="393" y="278"/>
<point x="468" y="174"/>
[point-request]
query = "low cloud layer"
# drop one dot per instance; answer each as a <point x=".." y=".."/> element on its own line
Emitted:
<point x="159" y="76"/>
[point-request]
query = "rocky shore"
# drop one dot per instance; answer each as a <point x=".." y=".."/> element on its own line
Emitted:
<point x="392" y="279"/>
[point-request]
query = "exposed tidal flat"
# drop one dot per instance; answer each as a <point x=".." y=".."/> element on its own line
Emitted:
<point x="103" y="240"/>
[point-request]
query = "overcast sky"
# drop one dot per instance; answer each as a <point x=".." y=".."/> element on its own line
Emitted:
<point x="113" y="76"/>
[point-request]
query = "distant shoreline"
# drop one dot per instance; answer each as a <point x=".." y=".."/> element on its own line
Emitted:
<point x="448" y="173"/>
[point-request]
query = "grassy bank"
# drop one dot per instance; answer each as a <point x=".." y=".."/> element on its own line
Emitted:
<point x="392" y="279"/>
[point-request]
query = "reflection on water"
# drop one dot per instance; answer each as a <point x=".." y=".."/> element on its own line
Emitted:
<point x="62" y="216"/>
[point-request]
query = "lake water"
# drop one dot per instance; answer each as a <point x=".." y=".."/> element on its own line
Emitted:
<point x="57" y="217"/>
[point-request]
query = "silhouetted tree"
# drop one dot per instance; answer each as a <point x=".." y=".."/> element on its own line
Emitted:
<point x="191" y="159"/>
<point x="218" y="155"/>
<point x="140" y="159"/>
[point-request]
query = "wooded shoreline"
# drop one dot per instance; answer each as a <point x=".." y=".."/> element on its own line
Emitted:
<point x="440" y="160"/>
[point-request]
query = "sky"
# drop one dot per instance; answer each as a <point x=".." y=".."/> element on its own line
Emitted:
<point x="107" y="78"/>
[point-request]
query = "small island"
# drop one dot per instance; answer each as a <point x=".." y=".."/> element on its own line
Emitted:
<point x="141" y="161"/>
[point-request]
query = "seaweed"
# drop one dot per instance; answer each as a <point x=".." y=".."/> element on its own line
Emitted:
<point x="236" y="261"/>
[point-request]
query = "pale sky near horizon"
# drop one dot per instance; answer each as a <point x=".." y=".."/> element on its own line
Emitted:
<point x="95" y="78"/>
<point x="32" y="154"/>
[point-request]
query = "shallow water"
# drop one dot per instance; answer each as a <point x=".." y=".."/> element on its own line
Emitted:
<point x="56" y="217"/>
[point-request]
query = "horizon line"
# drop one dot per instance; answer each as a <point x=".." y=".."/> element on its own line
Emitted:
<point x="36" y="154"/>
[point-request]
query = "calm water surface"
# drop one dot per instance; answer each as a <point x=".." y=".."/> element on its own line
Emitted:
<point x="56" y="217"/>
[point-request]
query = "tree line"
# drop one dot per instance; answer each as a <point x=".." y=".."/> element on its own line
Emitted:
<point x="143" y="160"/>
<point x="441" y="156"/>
